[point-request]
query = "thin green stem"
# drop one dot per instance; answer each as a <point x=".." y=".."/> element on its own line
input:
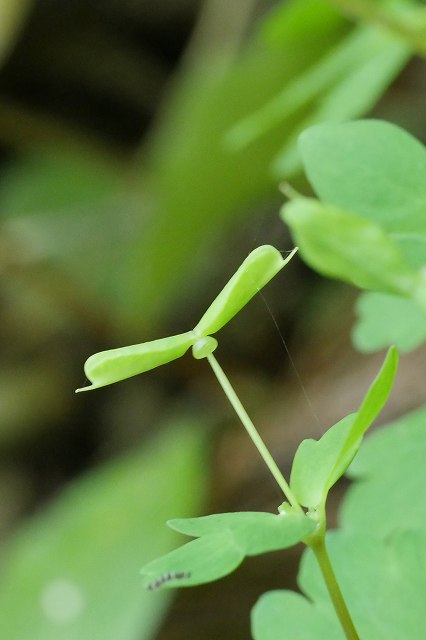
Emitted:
<point x="252" y="431"/>
<point x="318" y="547"/>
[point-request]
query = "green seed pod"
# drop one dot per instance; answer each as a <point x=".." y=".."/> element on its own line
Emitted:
<point x="114" y="365"/>
<point x="260" y="266"/>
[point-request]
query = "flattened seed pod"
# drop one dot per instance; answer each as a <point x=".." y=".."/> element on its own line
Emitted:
<point x="111" y="366"/>
<point x="114" y="365"/>
<point x="260" y="266"/>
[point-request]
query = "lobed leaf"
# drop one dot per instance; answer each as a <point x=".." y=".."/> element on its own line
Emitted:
<point x="254" y="532"/>
<point x="289" y="616"/>
<point x="346" y="246"/>
<point x="203" y="560"/>
<point x="114" y="365"/>
<point x="389" y="475"/>
<point x="374" y="576"/>
<point x="260" y="266"/>
<point x="369" y="167"/>
<point x="223" y="540"/>
<point x="384" y="319"/>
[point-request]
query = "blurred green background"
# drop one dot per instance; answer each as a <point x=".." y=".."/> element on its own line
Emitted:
<point x="141" y="148"/>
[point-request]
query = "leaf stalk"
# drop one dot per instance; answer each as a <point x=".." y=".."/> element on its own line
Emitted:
<point x="252" y="432"/>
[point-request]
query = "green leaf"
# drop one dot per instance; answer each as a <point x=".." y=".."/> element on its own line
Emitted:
<point x="383" y="584"/>
<point x="372" y="168"/>
<point x="260" y="266"/>
<point x="319" y="464"/>
<point x="203" y="560"/>
<point x="314" y="461"/>
<point x="289" y="616"/>
<point x="370" y="408"/>
<point x="389" y="474"/>
<point x="72" y="572"/>
<point x="114" y="365"/>
<point x="223" y="540"/>
<point x="413" y="246"/>
<point x="384" y="319"/>
<point x="253" y="532"/>
<point x="371" y="60"/>
<point x="346" y="246"/>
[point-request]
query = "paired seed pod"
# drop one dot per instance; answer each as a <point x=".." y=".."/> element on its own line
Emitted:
<point x="260" y="266"/>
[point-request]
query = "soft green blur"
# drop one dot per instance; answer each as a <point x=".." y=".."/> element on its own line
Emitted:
<point x="122" y="232"/>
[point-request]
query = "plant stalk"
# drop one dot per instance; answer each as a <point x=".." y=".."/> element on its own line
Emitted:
<point x="318" y="547"/>
<point x="252" y="431"/>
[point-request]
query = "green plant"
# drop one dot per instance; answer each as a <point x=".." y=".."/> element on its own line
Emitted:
<point x="223" y="540"/>
<point x="104" y="245"/>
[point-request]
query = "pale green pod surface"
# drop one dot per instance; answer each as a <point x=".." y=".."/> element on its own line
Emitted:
<point x="114" y="365"/>
<point x="260" y="266"/>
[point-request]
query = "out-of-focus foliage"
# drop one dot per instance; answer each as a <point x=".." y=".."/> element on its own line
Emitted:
<point x="370" y="227"/>
<point x="73" y="572"/>
<point x="169" y="220"/>
<point x="12" y="15"/>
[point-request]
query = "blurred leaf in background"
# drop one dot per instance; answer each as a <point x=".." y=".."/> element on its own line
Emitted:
<point x="73" y="572"/>
<point x="12" y="17"/>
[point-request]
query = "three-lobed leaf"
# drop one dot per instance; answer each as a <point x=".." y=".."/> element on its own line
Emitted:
<point x="388" y="479"/>
<point x="371" y="168"/>
<point x="383" y="319"/>
<point x="374" y="173"/>
<point x="223" y="540"/>
<point x="255" y="532"/>
<point x="373" y="575"/>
